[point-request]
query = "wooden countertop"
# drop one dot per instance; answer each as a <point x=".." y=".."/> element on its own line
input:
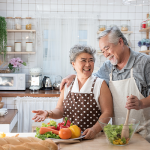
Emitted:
<point x="40" y="93"/>
<point x="7" y="119"/>
<point x="99" y="143"/>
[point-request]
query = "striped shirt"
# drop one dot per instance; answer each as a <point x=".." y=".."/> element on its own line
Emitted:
<point x="141" y="71"/>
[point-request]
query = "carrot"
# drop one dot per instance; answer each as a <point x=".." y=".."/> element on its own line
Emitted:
<point x="52" y="127"/>
<point x="45" y="129"/>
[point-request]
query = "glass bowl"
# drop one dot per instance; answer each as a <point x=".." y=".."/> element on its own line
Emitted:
<point x="112" y="127"/>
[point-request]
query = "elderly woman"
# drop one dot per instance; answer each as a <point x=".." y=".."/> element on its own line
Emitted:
<point x="86" y="100"/>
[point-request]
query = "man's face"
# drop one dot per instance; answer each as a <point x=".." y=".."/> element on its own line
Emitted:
<point x="111" y="51"/>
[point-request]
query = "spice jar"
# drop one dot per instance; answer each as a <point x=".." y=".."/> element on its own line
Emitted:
<point x="29" y="46"/>
<point x="18" y="23"/>
<point x="28" y="23"/>
<point x="124" y="27"/>
<point x="17" y="46"/>
<point x="9" y="21"/>
<point x="102" y="27"/>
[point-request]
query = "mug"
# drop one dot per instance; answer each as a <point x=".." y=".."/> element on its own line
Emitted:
<point x="3" y="112"/>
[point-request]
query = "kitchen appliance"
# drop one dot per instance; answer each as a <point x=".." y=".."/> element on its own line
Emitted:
<point x="46" y="83"/>
<point x="56" y="85"/>
<point x="36" y="78"/>
<point x="12" y="81"/>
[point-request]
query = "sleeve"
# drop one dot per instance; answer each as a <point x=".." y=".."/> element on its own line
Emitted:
<point x="147" y="77"/>
<point x="104" y="72"/>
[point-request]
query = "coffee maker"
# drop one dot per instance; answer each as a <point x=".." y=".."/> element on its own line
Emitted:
<point x="36" y="78"/>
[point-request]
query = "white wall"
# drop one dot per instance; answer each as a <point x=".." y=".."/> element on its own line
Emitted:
<point x="107" y="9"/>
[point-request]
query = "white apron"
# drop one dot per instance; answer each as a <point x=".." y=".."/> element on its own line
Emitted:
<point x="120" y="90"/>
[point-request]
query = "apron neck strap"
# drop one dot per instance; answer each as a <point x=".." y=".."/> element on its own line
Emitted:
<point x="92" y="88"/>
<point x="131" y="73"/>
<point x="71" y="86"/>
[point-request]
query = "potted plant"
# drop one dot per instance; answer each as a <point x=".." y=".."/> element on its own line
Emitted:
<point x="3" y="36"/>
<point x="144" y="44"/>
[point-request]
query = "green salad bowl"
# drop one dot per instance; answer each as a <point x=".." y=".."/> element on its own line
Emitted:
<point x="112" y="127"/>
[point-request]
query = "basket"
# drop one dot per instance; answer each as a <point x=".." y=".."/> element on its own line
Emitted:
<point x="5" y="71"/>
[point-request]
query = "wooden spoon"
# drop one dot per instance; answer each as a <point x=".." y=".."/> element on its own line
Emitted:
<point x="125" y="129"/>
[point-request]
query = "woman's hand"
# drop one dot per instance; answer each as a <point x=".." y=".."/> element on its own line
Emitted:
<point x="67" y="80"/>
<point x="40" y="115"/>
<point x="89" y="133"/>
<point x="133" y="103"/>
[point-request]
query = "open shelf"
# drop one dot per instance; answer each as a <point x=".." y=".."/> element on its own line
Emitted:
<point x="145" y="30"/>
<point x="21" y="30"/>
<point x="20" y="52"/>
<point x="124" y="32"/>
<point x="147" y="51"/>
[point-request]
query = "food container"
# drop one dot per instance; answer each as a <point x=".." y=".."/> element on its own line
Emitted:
<point x="112" y="127"/>
<point x="10" y="22"/>
<point x="8" y="48"/>
<point x="28" y="23"/>
<point x="29" y="46"/>
<point x="17" y="46"/>
<point x="18" y="23"/>
<point x="124" y="27"/>
<point x="102" y="27"/>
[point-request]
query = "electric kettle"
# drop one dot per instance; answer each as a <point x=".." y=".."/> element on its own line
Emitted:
<point x="46" y="83"/>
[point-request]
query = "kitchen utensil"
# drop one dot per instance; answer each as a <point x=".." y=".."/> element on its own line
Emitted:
<point x="112" y="127"/>
<point x="46" y="82"/>
<point x="125" y="130"/>
<point x="66" y="141"/>
<point x="36" y="75"/>
<point x="56" y="85"/>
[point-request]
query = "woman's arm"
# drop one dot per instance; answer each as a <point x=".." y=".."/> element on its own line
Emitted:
<point x="106" y="104"/>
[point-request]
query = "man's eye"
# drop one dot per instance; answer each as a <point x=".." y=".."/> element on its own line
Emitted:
<point x="84" y="60"/>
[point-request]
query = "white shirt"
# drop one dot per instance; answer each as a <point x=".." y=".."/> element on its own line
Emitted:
<point x="86" y="88"/>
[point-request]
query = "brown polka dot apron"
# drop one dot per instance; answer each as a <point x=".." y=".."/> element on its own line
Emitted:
<point x="81" y="108"/>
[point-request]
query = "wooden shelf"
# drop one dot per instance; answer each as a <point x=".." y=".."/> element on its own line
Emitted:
<point x="147" y="51"/>
<point x="124" y="32"/>
<point x="145" y="30"/>
<point x="20" y="52"/>
<point x="21" y="30"/>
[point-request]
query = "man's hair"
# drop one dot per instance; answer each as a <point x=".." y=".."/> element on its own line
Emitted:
<point x="114" y="34"/>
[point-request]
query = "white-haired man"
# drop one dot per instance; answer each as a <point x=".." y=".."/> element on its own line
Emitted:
<point x="128" y="75"/>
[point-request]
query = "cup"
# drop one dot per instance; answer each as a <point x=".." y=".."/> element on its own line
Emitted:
<point x="3" y="112"/>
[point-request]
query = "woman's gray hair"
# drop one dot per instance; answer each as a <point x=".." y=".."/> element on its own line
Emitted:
<point x="78" y="49"/>
<point x="114" y="34"/>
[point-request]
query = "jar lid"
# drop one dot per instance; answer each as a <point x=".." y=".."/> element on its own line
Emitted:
<point x="8" y="46"/>
<point x="18" y="17"/>
<point x="9" y="17"/>
<point x="28" y="17"/>
<point x="17" y="42"/>
<point x="29" y="42"/>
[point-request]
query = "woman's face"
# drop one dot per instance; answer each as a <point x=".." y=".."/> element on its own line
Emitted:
<point x="84" y="65"/>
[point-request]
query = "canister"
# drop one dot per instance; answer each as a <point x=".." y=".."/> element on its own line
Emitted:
<point x="18" y="23"/>
<point x="28" y="23"/>
<point x="10" y="24"/>
<point x="8" y="48"/>
<point x="29" y="46"/>
<point x="17" y="46"/>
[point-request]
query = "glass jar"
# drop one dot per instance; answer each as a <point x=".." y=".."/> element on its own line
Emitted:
<point x="124" y="27"/>
<point x="28" y="23"/>
<point x="18" y="23"/>
<point x="102" y="27"/>
<point x="10" y="22"/>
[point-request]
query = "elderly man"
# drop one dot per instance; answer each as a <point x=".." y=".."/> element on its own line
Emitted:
<point x="128" y="75"/>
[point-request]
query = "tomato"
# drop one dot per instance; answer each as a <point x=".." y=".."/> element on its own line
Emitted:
<point x="65" y="133"/>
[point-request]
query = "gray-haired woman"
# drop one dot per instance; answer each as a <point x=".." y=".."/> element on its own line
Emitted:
<point x="87" y="99"/>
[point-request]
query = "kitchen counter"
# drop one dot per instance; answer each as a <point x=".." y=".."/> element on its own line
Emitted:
<point x="40" y="93"/>
<point x="99" y="143"/>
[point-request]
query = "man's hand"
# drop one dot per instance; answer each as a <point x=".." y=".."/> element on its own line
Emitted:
<point x="67" y="80"/>
<point x="133" y="103"/>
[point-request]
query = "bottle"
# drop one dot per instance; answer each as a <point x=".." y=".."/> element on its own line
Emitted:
<point x="148" y="21"/>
